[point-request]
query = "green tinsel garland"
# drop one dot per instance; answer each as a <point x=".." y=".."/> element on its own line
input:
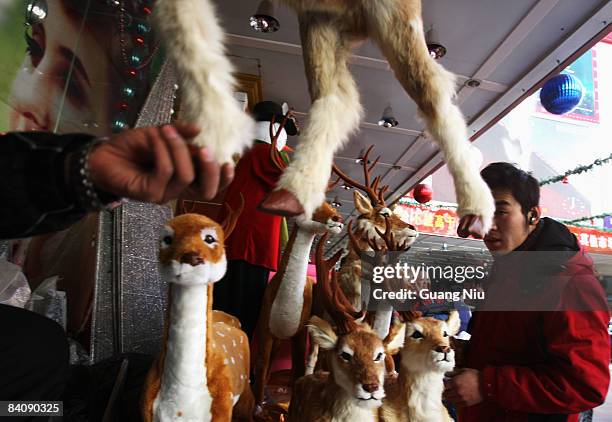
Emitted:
<point x="577" y="170"/>
<point x="578" y="220"/>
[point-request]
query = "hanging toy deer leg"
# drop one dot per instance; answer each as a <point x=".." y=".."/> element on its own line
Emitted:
<point x="195" y="46"/>
<point x="398" y="29"/>
<point x="334" y="114"/>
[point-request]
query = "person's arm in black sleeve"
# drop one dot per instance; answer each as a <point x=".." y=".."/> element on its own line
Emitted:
<point x="48" y="182"/>
<point x="36" y="195"/>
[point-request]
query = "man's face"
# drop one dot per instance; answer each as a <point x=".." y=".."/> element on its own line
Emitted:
<point x="510" y="227"/>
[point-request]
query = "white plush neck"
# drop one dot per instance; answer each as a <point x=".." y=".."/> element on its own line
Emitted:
<point x="286" y="311"/>
<point x="183" y="384"/>
<point x="262" y="133"/>
<point x="345" y="409"/>
<point x="424" y="394"/>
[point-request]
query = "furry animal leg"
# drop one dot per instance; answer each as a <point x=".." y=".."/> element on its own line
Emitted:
<point x="195" y="46"/>
<point x="335" y="113"/>
<point x="399" y="34"/>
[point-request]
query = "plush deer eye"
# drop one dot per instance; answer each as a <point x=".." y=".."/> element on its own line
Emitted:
<point x="417" y="334"/>
<point x="166" y="238"/>
<point x="379" y="357"/>
<point x="346" y="356"/>
<point x="385" y="212"/>
<point x="209" y="239"/>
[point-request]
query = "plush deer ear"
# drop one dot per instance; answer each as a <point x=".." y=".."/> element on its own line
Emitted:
<point x="322" y="333"/>
<point x="453" y="322"/>
<point x="363" y="204"/>
<point x="395" y="339"/>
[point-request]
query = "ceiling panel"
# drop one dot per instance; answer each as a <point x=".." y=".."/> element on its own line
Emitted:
<point x="564" y="19"/>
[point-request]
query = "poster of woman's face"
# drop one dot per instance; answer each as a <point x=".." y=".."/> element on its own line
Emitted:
<point x="74" y="69"/>
<point x="72" y="66"/>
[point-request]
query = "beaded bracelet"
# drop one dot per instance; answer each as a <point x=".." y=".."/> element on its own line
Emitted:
<point x="87" y="195"/>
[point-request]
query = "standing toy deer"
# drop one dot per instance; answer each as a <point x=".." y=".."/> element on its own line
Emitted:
<point x="202" y="373"/>
<point x="329" y="30"/>
<point x="374" y="219"/>
<point x="288" y="297"/>
<point x="354" y="388"/>
<point x="416" y="394"/>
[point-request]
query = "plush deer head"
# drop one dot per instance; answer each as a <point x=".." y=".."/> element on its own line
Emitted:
<point x="374" y="214"/>
<point x="325" y="219"/>
<point x="191" y="251"/>
<point x="427" y="343"/>
<point x="356" y="355"/>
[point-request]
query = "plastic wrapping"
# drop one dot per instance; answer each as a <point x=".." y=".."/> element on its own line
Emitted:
<point x="46" y="300"/>
<point x="14" y="288"/>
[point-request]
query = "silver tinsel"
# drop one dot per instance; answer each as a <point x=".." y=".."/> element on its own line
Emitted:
<point x="130" y="296"/>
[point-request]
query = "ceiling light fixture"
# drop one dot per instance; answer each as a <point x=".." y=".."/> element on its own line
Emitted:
<point x="388" y="118"/>
<point x="436" y="49"/>
<point x="263" y="20"/>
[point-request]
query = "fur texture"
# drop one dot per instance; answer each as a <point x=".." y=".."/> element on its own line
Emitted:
<point x="354" y="389"/>
<point x="202" y="371"/>
<point x="416" y="395"/>
<point x="194" y="38"/>
<point x="287" y="300"/>
<point x="334" y="93"/>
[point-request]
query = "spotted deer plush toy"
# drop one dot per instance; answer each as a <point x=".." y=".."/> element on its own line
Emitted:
<point x="202" y="373"/>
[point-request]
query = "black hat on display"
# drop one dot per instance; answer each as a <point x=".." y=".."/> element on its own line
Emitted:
<point x="264" y="110"/>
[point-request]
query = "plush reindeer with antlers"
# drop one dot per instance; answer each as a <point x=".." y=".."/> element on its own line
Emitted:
<point x="202" y="373"/>
<point x="374" y="219"/>
<point x="329" y="30"/>
<point x="353" y="390"/>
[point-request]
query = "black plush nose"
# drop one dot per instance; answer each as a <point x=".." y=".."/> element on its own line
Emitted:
<point x="191" y="258"/>
<point x="370" y="388"/>
<point x="337" y="219"/>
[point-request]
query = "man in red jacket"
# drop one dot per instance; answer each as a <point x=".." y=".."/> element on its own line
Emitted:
<point x="549" y="362"/>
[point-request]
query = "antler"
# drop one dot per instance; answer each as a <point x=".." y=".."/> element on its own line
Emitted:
<point x="334" y="301"/>
<point x="389" y="237"/>
<point x="229" y="224"/>
<point x="375" y="193"/>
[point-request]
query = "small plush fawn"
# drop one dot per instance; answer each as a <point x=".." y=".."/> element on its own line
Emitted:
<point x="354" y="388"/>
<point x="416" y="394"/>
<point x="202" y="373"/>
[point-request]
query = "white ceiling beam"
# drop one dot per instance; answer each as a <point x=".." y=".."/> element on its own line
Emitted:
<point x="531" y="20"/>
<point x="357" y="60"/>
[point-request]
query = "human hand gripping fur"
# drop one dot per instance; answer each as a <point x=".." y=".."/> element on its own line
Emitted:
<point x="155" y="164"/>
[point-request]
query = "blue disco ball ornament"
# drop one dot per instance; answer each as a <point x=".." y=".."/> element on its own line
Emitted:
<point x="561" y="94"/>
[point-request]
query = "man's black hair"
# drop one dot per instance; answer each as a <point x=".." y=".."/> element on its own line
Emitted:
<point x="523" y="186"/>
